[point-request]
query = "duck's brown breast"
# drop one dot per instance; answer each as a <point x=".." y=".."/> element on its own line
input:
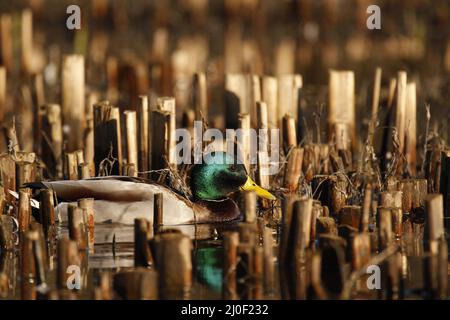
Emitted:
<point x="216" y="211"/>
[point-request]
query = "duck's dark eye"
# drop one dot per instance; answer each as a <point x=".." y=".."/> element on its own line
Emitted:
<point x="233" y="167"/>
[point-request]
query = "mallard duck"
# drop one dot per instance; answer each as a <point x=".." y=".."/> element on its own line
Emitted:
<point x="122" y="199"/>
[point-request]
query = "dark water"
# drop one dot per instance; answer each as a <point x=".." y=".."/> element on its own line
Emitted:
<point x="114" y="252"/>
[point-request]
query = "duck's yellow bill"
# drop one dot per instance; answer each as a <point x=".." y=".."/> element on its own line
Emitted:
<point x="251" y="185"/>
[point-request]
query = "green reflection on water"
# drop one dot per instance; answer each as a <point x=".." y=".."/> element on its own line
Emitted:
<point x="209" y="267"/>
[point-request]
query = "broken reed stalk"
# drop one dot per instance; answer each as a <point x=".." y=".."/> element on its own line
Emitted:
<point x="445" y="189"/>
<point x="11" y="135"/>
<point x="158" y="201"/>
<point x="366" y="209"/>
<point x="391" y="92"/>
<point x="140" y="283"/>
<point x="289" y="86"/>
<point x="4" y="284"/>
<point x="262" y="175"/>
<point x="73" y="99"/>
<point x="400" y="114"/>
<point x="269" y="267"/>
<point x="71" y="166"/>
<point x="38" y="96"/>
<point x="103" y="290"/>
<point x="301" y="224"/>
<point x="159" y="140"/>
<point x="244" y="140"/>
<point x="391" y="199"/>
<point x="79" y="156"/>
<point x="174" y="265"/>
<point x="8" y="175"/>
<point x="2" y="90"/>
<point x="131" y="138"/>
<point x="28" y="268"/>
<point x="142" y="254"/>
<point x="397" y="221"/>
<point x="434" y="221"/>
<point x="6" y="40"/>
<point x="412" y="193"/>
<point x="410" y="196"/>
<point x="351" y="216"/>
<point x="52" y="140"/>
<point x="200" y="96"/>
<point x="258" y="273"/>
<point x="433" y="169"/>
<point x="25" y="170"/>
<point x="107" y="139"/>
<point x="27" y="42"/>
<point x="84" y="170"/>
<point x="341" y="105"/>
<point x="143" y="118"/>
<point x="88" y="140"/>
<point x="3" y="203"/>
<point x="40" y="258"/>
<point x="7" y="226"/>
<point x="24" y="214"/>
<point x="341" y="135"/>
<point x="284" y="58"/>
<point x="298" y="242"/>
<point x="47" y="213"/>
<point x="237" y="97"/>
<point x="270" y="97"/>
<point x="385" y="235"/>
<point x="317" y="211"/>
<point x="187" y="121"/>
<point x="129" y="169"/>
<point x="326" y="225"/>
<point x="77" y="226"/>
<point x="167" y="104"/>
<point x="287" y="206"/>
<point x="410" y="127"/>
<point x="442" y="274"/>
<point x="68" y="256"/>
<point x="254" y="97"/>
<point x="293" y="169"/>
<point x="230" y="245"/>
<point x="375" y="104"/>
<point x="250" y="213"/>
<point x="361" y="250"/>
<point x="316" y="281"/>
<point x="289" y="132"/>
<point x="420" y="187"/>
<point x="87" y="205"/>
<point x="333" y="264"/>
<point x="262" y="170"/>
<point x="245" y="270"/>
<point x="248" y="233"/>
<point x="262" y="123"/>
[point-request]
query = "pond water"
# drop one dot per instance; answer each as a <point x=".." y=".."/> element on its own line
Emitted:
<point x="114" y="252"/>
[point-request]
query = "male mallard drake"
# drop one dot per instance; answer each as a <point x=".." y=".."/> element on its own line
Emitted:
<point x="122" y="199"/>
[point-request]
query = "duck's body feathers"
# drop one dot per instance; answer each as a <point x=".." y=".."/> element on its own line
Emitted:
<point x="122" y="199"/>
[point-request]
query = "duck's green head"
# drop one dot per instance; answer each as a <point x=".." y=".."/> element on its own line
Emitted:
<point x="219" y="175"/>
